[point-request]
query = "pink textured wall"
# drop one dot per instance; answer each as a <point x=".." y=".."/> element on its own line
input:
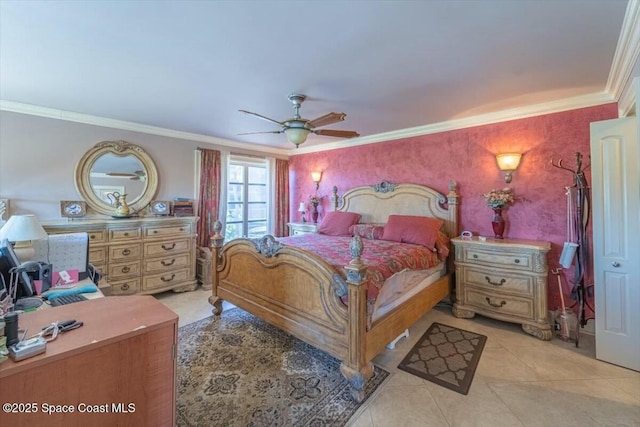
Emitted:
<point x="468" y="157"/>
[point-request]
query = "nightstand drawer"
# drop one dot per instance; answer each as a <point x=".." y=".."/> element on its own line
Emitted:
<point x="520" y="261"/>
<point x="499" y="304"/>
<point x="498" y="281"/>
<point x="127" y="269"/>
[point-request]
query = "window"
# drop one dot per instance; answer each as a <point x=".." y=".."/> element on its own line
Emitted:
<point x="247" y="198"/>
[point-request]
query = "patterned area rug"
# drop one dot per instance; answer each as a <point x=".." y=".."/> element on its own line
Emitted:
<point x="447" y="356"/>
<point x="236" y="370"/>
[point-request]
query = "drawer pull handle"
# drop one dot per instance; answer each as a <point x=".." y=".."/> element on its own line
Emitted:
<point x="168" y="248"/>
<point x="475" y="256"/>
<point x="155" y="231"/>
<point x="92" y="236"/>
<point x="126" y="233"/>
<point x="125" y="269"/>
<point x="167" y="264"/>
<point x="126" y="252"/>
<point x="493" y="304"/>
<point x="181" y="229"/>
<point x="125" y="287"/>
<point x="502" y="282"/>
<point x="615" y="264"/>
<point x="169" y="279"/>
<point x="517" y="261"/>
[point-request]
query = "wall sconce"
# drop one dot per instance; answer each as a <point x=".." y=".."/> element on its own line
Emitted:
<point x="316" y="177"/>
<point x="22" y="229"/>
<point x="508" y="163"/>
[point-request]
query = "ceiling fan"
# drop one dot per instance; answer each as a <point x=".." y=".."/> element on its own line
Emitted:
<point x="297" y="128"/>
<point x="136" y="176"/>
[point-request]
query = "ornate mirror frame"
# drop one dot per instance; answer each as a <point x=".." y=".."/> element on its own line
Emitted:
<point x="121" y="149"/>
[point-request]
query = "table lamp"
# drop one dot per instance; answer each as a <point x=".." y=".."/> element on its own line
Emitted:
<point x="302" y="209"/>
<point x="22" y="229"/>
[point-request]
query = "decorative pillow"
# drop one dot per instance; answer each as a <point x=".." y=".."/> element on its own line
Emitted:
<point x="420" y="230"/>
<point x="442" y="245"/>
<point x="337" y="223"/>
<point x="367" y="231"/>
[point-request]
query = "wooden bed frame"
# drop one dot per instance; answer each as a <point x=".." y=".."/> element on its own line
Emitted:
<point x="300" y="293"/>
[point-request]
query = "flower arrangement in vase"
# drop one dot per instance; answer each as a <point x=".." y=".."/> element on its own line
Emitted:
<point x="498" y="200"/>
<point x="314" y="201"/>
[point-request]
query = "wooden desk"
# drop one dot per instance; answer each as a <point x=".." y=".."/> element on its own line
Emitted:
<point x="121" y="365"/>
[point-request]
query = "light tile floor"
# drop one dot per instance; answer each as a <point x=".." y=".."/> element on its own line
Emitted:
<point x="520" y="381"/>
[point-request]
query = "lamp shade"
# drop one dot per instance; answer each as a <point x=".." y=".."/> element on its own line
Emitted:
<point x="21" y="228"/>
<point x="302" y="207"/>
<point x="508" y="161"/>
<point x="316" y="176"/>
<point x="296" y="135"/>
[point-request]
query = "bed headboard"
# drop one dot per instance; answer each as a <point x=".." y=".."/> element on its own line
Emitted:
<point x="376" y="202"/>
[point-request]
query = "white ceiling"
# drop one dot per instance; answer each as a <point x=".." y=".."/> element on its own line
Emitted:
<point x="190" y="66"/>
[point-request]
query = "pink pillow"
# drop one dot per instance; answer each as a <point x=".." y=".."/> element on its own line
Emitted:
<point x="337" y="223"/>
<point x="420" y="230"/>
<point x="367" y="231"/>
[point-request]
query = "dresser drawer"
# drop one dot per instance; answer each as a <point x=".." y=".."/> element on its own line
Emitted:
<point x="498" y="281"/>
<point x="97" y="255"/>
<point x="125" y="287"/>
<point x="167" y="263"/>
<point x="499" y="304"/>
<point x="124" y="234"/>
<point x="504" y="258"/>
<point x="167" y="247"/>
<point x="97" y="236"/>
<point x="125" y="252"/>
<point x="175" y="230"/>
<point x="123" y="270"/>
<point x="156" y="281"/>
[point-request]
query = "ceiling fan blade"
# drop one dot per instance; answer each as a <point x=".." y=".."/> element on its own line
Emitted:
<point x="337" y="133"/>
<point x="255" y="133"/>
<point x="261" y="117"/>
<point x="327" y="119"/>
<point x="119" y="174"/>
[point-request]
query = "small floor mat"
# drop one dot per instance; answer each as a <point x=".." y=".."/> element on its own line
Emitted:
<point x="447" y="356"/>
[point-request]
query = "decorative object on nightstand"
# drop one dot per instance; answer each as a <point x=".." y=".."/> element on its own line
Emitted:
<point x="498" y="200"/>
<point x="4" y="209"/>
<point x="503" y="279"/>
<point x="73" y="208"/>
<point x="508" y="163"/>
<point x="160" y="207"/>
<point x="302" y="209"/>
<point x="296" y="228"/>
<point x="314" y="201"/>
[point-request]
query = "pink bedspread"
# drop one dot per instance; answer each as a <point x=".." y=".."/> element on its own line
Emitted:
<point x="382" y="257"/>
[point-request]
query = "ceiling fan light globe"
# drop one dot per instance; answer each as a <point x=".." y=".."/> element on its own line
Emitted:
<point x="296" y="136"/>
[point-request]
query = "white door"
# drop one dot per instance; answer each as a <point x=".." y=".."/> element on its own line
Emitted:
<point x="615" y="165"/>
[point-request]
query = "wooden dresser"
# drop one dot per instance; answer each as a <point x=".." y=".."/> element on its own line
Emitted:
<point x="503" y="279"/>
<point x="139" y="255"/>
<point x="118" y="369"/>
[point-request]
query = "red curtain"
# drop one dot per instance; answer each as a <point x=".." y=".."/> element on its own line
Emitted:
<point x="282" y="198"/>
<point x="209" y="194"/>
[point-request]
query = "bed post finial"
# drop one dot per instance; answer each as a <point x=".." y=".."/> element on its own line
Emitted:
<point x="334" y="197"/>
<point x="217" y="240"/>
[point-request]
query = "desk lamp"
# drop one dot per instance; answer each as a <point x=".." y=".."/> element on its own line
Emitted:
<point x="22" y="229"/>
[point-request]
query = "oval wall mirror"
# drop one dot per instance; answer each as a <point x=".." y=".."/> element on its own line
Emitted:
<point x="116" y="167"/>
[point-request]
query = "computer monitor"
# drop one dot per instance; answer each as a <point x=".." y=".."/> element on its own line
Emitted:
<point x="9" y="260"/>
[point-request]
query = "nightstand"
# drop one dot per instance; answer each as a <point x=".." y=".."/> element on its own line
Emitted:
<point x="503" y="279"/>
<point x="302" y="228"/>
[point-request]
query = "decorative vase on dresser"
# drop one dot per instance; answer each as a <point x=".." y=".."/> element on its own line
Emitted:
<point x="143" y="255"/>
<point x="505" y="279"/>
<point x="498" y="223"/>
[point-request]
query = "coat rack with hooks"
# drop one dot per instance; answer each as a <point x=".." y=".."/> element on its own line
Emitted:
<point x="578" y="215"/>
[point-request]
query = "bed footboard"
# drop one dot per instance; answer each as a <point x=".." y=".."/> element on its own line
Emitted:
<point x="298" y="292"/>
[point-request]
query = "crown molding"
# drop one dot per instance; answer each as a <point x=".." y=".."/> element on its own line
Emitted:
<point x="54" y="113"/>
<point x="627" y="51"/>
<point x="566" y="104"/>
<point x="627" y="103"/>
